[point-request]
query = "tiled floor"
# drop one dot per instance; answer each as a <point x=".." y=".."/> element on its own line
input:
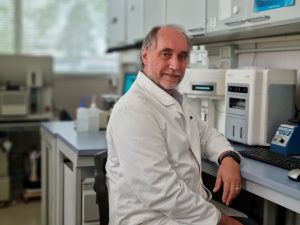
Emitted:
<point x="20" y="213"/>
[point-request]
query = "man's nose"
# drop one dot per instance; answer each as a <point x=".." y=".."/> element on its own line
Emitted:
<point x="174" y="63"/>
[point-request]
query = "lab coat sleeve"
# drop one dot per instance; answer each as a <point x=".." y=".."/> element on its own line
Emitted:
<point x="144" y="161"/>
<point x="213" y="143"/>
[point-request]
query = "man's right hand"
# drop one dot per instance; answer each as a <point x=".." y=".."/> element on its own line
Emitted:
<point x="227" y="220"/>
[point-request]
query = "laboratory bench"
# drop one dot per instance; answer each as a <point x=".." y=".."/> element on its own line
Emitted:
<point x="68" y="197"/>
<point x="269" y="182"/>
<point x="68" y="167"/>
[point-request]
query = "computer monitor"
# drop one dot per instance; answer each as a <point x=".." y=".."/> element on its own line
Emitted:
<point x="262" y="5"/>
<point x="128" y="80"/>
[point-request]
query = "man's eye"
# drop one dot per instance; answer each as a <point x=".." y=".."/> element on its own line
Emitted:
<point x="165" y="55"/>
<point x="183" y="57"/>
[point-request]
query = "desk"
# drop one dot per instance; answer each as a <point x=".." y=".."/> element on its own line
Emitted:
<point x="268" y="182"/>
<point x="67" y="160"/>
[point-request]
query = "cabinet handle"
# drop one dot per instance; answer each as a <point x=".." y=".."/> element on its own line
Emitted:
<point x="258" y="19"/>
<point x="114" y="20"/>
<point x="235" y="23"/>
<point x="199" y="29"/>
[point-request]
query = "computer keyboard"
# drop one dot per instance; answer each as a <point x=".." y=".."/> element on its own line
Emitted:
<point x="267" y="156"/>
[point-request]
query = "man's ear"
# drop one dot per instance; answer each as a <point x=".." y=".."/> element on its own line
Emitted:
<point x="144" y="56"/>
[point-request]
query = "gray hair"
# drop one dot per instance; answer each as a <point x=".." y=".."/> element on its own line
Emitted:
<point x="151" y="37"/>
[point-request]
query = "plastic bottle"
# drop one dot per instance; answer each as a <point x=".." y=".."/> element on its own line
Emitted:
<point x="82" y="118"/>
<point x="194" y="56"/>
<point x="94" y="116"/>
<point x="203" y="60"/>
<point x="199" y="57"/>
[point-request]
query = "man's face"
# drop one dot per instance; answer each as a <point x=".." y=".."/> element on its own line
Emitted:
<point x="165" y="62"/>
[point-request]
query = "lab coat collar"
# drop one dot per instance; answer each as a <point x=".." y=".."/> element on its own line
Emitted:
<point x="157" y="92"/>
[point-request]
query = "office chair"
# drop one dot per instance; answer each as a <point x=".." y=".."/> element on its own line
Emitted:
<point x="100" y="187"/>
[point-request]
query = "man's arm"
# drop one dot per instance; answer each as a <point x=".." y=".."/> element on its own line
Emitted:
<point x="217" y="149"/>
<point x="228" y="174"/>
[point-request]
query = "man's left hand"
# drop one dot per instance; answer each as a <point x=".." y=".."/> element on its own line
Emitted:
<point x="228" y="173"/>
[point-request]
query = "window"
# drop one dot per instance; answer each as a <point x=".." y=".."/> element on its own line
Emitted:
<point x="6" y="27"/>
<point x="73" y="32"/>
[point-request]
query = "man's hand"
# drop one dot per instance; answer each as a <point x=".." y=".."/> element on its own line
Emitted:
<point x="226" y="220"/>
<point x="228" y="173"/>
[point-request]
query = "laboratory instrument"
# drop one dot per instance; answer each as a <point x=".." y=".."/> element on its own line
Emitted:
<point x="257" y="102"/>
<point x="26" y="85"/>
<point x="287" y="140"/>
<point x="205" y="90"/>
<point x="108" y="101"/>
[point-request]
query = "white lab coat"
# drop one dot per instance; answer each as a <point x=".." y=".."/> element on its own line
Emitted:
<point x="155" y="147"/>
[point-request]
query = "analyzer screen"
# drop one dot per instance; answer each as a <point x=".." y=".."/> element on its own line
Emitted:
<point x="262" y="5"/>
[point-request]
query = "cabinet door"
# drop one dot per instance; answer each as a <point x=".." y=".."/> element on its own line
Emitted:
<point x="48" y="210"/>
<point x="226" y="15"/>
<point x="69" y="190"/>
<point x="191" y="14"/>
<point x="275" y="16"/>
<point x="155" y="13"/>
<point x="116" y="33"/>
<point x="135" y="20"/>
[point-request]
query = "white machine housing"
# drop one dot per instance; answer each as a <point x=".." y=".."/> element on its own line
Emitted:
<point x="257" y="102"/>
<point x="26" y="86"/>
<point x="14" y="103"/>
<point x="205" y="90"/>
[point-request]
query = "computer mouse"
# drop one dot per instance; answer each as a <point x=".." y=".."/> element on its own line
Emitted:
<point x="294" y="174"/>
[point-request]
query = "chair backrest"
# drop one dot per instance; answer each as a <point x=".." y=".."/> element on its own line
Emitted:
<point x="100" y="187"/>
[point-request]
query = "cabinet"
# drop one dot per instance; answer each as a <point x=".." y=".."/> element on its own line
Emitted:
<point x="154" y="14"/>
<point x="69" y="203"/>
<point x="67" y="164"/>
<point x="130" y="20"/>
<point x="191" y="14"/>
<point x="135" y="20"/>
<point x="212" y="20"/>
<point x="116" y="23"/>
<point x="225" y="15"/>
<point x="142" y="15"/>
<point x="48" y="178"/>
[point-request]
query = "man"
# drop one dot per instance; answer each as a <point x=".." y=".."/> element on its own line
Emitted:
<point x="155" y="145"/>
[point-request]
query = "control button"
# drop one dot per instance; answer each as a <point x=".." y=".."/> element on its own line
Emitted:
<point x="281" y="140"/>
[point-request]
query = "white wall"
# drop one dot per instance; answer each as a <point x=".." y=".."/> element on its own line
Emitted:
<point x="287" y="60"/>
<point x="68" y="90"/>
